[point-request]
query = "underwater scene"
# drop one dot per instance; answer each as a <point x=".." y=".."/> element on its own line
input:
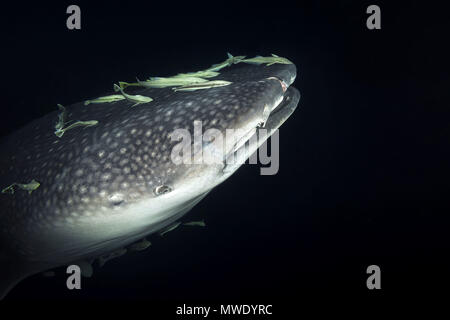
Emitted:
<point x="222" y="160"/>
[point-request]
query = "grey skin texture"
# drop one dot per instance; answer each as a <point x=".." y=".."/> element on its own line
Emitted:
<point x="100" y="186"/>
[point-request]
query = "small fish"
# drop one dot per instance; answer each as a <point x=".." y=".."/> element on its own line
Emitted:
<point x="230" y="61"/>
<point x="105" y="258"/>
<point x="169" y="228"/>
<point x="124" y="84"/>
<point x="106" y="99"/>
<point x="137" y="99"/>
<point x="196" y="223"/>
<point x="205" y="85"/>
<point x="198" y="74"/>
<point x="140" y="246"/>
<point x="269" y="60"/>
<point x="30" y="187"/>
<point x="86" y="268"/>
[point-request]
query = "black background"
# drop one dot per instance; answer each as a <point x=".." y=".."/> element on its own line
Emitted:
<point x="364" y="160"/>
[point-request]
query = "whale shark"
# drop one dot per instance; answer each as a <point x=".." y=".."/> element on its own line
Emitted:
<point x="102" y="187"/>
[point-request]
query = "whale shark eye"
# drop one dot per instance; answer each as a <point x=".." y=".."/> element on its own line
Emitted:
<point x="162" y="190"/>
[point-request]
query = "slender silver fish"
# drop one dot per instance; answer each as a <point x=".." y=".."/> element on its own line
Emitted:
<point x="107" y="186"/>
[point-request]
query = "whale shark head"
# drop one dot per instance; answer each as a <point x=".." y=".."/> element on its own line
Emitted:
<point x="103" y="187"/>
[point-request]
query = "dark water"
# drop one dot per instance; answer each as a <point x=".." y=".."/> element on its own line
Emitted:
<point x="363" y="161"/>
